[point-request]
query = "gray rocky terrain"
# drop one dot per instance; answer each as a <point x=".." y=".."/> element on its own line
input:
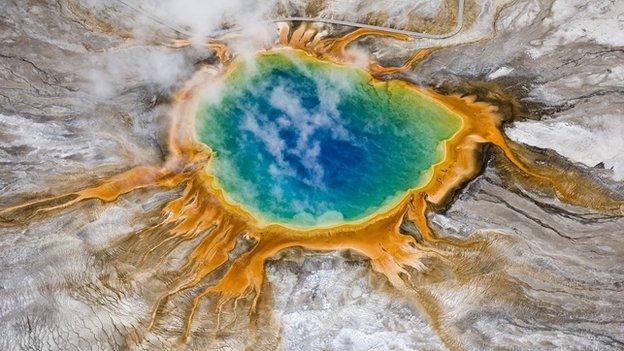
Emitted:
<point x="85" y="89"/>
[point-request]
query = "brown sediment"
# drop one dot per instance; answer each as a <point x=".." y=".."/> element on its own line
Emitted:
<point x="559" y="178"/>
<point x="376" y="69"/>
<point x="308" y="39"/>
<point x="87" y="19"/>
<point x="444" y="20"/>
<point x="335" y="49"/>
<point x="204" y="208"/>
<point x="219" y="46"/>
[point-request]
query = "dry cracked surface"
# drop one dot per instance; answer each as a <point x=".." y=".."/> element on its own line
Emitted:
<point x="85" y="90"/>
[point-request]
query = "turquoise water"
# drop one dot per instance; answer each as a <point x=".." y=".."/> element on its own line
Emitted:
<point x="304" y="142"/>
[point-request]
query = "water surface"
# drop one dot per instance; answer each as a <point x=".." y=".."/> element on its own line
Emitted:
<point x="305" y="142"/>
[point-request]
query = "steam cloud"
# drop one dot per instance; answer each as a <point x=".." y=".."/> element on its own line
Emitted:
<point x="160" y="67"/>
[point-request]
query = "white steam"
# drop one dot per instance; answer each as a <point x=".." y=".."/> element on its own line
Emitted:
<point x="159" y="66"/>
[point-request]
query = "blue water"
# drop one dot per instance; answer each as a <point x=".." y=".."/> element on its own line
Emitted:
<point x="303" y="142"/>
